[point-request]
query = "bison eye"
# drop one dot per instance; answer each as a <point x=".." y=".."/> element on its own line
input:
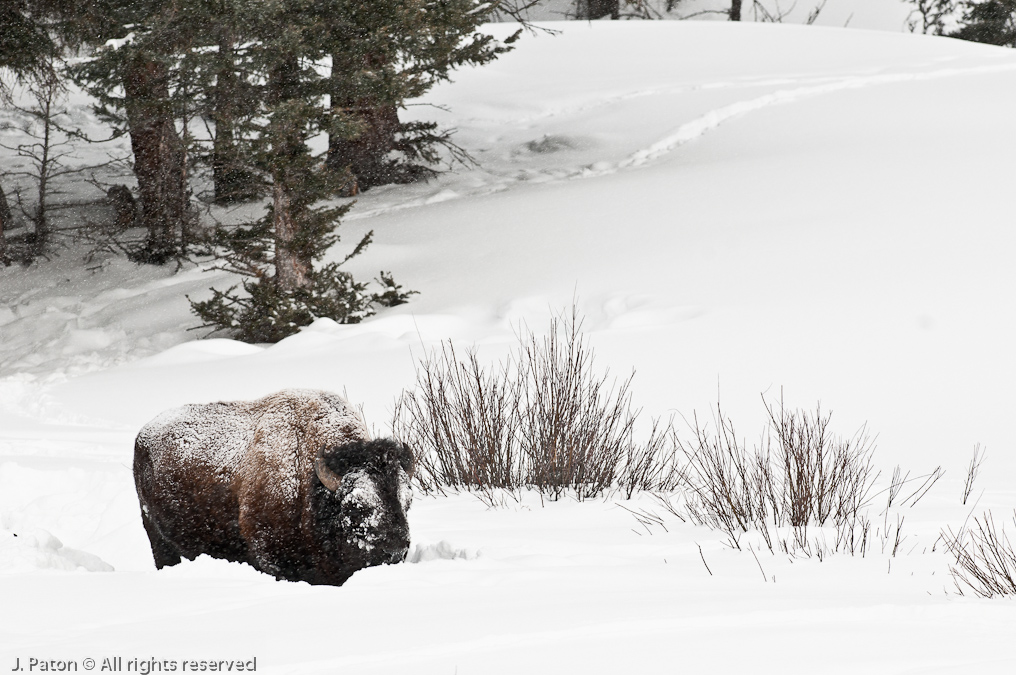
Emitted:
<point x="406" y="459"/>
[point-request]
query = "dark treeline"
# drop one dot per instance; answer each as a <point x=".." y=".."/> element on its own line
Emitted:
<point x="261" y="78"/>
<point x="265" y="77"/>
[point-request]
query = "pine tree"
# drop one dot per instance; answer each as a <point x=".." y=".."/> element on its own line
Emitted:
<point x="282" y="288"/>
<point x="992" y="22"/>
<point x="24" y="41"/>
<point x="223" y="97"/>
<point x="383" y="54"/>
<point x="25" y="48"/>
<point x="134" y="74"/>
<point x="930" y="16"/>
<point x="46" y="143"/>
<point x="598" y="9"/>
<point x="259" y="71"/>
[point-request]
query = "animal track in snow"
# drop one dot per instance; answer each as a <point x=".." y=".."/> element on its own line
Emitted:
<point x="704" y="123"/>
<point x="808" y="87"/>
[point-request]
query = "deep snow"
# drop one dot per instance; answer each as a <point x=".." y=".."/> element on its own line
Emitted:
<point x="738" y="209"/>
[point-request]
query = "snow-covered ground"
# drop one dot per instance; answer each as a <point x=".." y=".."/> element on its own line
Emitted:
<point x="739" y="210"/>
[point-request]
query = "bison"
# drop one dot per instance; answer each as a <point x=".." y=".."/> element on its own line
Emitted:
<point x="290" y="483"/>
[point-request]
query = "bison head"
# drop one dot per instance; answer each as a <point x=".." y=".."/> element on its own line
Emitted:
<point x="362" y="500"/>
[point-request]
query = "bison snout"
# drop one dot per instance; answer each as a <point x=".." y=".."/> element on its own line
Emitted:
<point x="397" y="556"/>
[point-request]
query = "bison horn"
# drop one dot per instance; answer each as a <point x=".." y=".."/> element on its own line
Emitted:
<point x="328" y="478"/>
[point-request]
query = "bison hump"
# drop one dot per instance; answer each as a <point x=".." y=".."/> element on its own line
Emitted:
<point x="291" y="427"/>
<point x="214" y="435"/>
<point x="269" y="444"/>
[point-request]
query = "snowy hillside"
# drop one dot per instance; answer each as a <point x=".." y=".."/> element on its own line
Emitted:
<point x="738" y="209"/>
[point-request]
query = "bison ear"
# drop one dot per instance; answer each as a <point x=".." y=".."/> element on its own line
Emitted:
<point x="328" y="478"/>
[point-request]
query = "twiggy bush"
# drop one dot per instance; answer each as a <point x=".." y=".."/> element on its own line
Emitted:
<point x="973" y="469"/>
<point x="463" y="422"/>
<point x="546" y="419"/>
<point x="652" y="466"/>
<point x="985" y="558"/>
<point x="822" y="477"/>
<point x="575" y="430"/>
<point x="725" y="484"/>
<point x="799" y="475"/>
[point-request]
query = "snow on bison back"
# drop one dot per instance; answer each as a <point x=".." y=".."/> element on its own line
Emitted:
<point x="290" y="483"/>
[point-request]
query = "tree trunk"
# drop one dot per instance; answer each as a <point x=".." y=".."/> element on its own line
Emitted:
<point x="158" y="158"/>
<point x="44" y="95"/>
<point x="597" y="9"/>
<point x="366" y="156"/>
<point x="232" y="180"/>
<point x="735" y="10"/>
<point x="292" y="270"/>
<point x="5" y="222"/>
<point x="293" y="266"/>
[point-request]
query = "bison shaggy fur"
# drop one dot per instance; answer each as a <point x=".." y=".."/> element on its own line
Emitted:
<point x="290" y="483"/>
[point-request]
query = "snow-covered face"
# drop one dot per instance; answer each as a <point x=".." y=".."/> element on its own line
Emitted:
<point x="372" y="520"/>
<point x="369" y="496"/>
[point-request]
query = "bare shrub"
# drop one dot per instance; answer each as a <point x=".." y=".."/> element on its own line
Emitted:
<point x="985" y="558"/>
<point x="727" y="490"/>
<point x="651" y="466"/>
<point x="972" y="471"/>
<point x="463" y="421"/>
<point x="546" y="419"/>
<point x="822" y="476"/>
<point x="798" y="476"/>
<point x="576" y="429"/>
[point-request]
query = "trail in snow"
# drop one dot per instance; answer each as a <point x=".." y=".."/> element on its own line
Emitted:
<point x="694" y="129"/>
<point x="46" y="331"/>
<point x="699" y="126"/>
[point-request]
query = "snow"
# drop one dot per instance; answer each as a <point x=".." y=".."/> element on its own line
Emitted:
<point x="737" y="210"/>
<point x="31" y="550"/>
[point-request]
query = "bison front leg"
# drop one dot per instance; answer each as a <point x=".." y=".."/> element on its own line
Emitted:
<point x="163" y="551"/>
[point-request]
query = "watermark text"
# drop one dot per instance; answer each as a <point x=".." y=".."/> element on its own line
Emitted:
<point x="121" y="664"/>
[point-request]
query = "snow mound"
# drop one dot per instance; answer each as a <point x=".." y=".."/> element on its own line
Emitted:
<point x="205" y="567"/>
<point x="442" y="550"/>
<point x="200" y="351"/>
<point x="37" y="549"/>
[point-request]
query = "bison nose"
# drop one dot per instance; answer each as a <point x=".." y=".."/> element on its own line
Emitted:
<point x="397" y="555"/>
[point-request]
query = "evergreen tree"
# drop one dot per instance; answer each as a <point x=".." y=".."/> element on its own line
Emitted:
<point x="283" y="291"/>
<point x="930" y="16"/>
<point x="223" y="97"/>
<point x="134" y="73"/>
<point x="259" y="71"/>
<point x="598" y="9"/>
<point x="25" y="48"/>
<point x="24" y="42"/>
<point x="46" y="142"/>
<point x="992" y="22"/>
<point x="383" y="54"/>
